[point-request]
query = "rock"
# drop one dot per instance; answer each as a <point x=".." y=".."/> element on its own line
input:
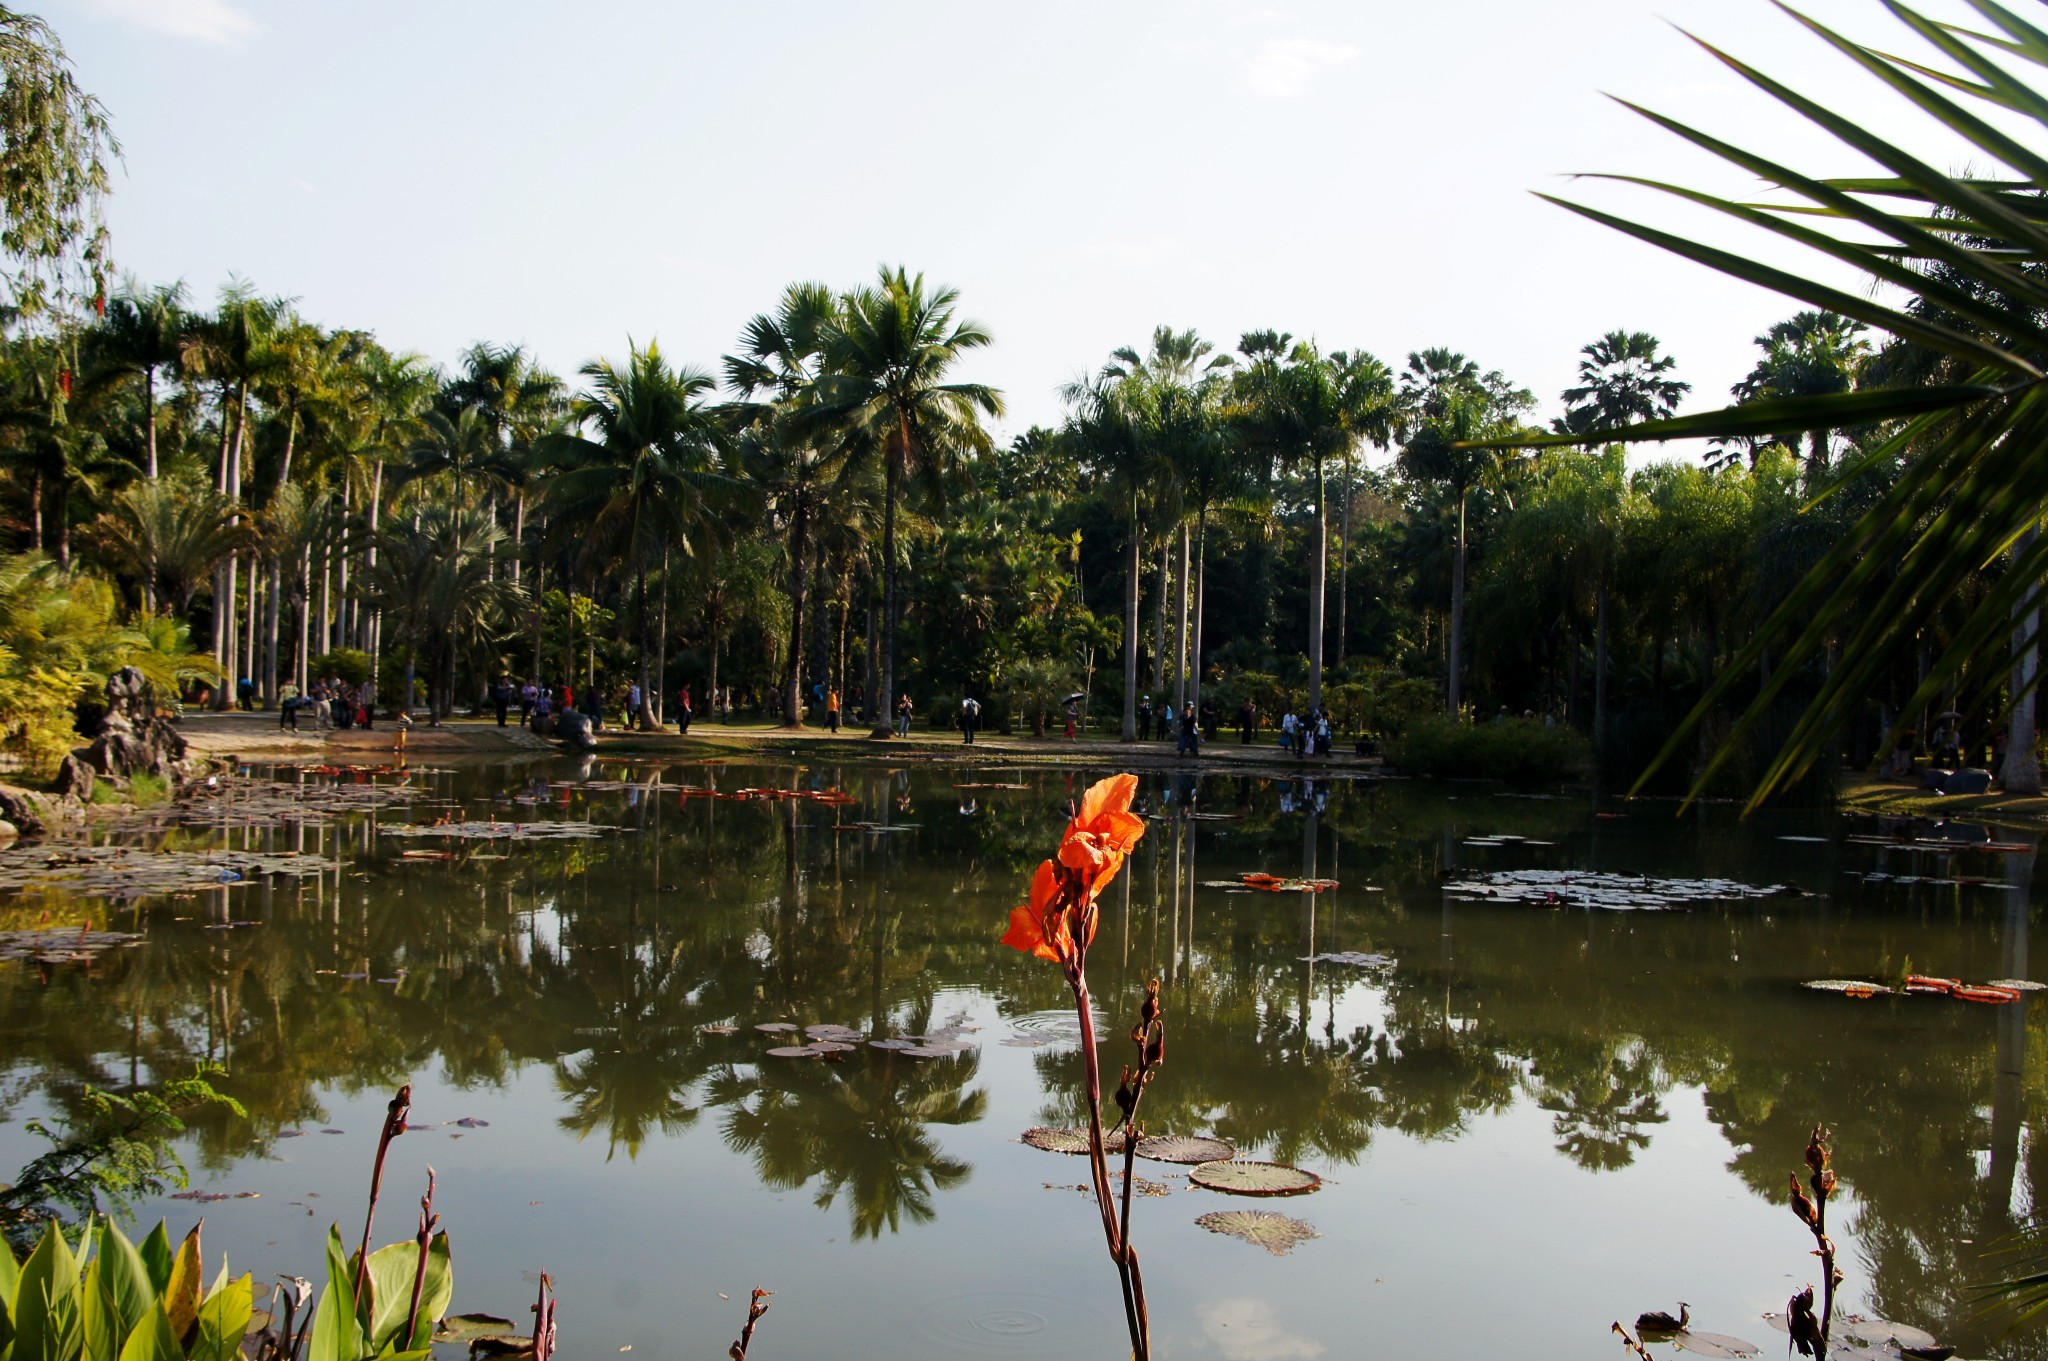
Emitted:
<point x="74" y="780"/>
<point x="133" y="738"/>
<point x="1967" y="781"/>
<point x="573" y="730"/>
<point x="8" y="831"/>
<point x="30" y="813"/>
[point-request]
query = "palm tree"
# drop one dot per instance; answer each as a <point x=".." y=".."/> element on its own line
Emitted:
<point x="1448" y="410"/>
<point x="523" y="403"/>
<point x="1815" y="354"/>
<point x="433" y="580"/>
<point x="1298" y="408"/>
<point x="460" y="447"/>
<point x="145" y="331"/>
<point x="887" y="356"/>
<point x="1621" y="379"/>
<point x="1956" y="246"/>
<point x="637" y="484"/>
<point x="785" y="456"/>
<point x="170" y="536"/>
<point x="1104" y="439"/>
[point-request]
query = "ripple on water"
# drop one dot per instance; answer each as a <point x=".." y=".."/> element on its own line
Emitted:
<point x="1055" y="1026"/>
<point x="1013" y="1324"/>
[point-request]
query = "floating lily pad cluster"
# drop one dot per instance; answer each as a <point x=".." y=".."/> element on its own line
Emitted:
<point x="1213" y="1164"/>
<point x="501" y="831"/>
<point x="1878" y="1337"/>
<point x="1939" y="881"/>
<point x="1608" y="892"/>
<point x="62" y="946"/>
<point x="1997" y="992"/>
<point x="1501" y="839"/>
<point x="249" y="802"/>
<point x="834" y="795"/>
<point x="1273" y="883"/>
<point x="1354" y="957"/>
<point x="126" y="872"/>
<point x="827" y="1040"/>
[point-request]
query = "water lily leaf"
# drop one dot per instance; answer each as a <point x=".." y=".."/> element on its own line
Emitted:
<point x="1184" y="1148"/>
<point x="1713" y="1344"/>
<point x="469" y="1327"/>
<point x="777" y="1027"/>
<point x="719" y="1029"/>
<point x="793" y="1051"/>
<point x="1276" y="1233"/>
<point x="1070" y="1140"/>
<point x="1851" y="986"/>
<point x="2018" y="984"/>
<point x="1877" y="1331"/>
<point x="829" y="1047"/>
<point x="1254" y="1178"/>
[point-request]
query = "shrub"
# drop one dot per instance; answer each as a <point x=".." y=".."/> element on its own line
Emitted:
<point x="351" y="664"/>
<point x="1518" y="750"/>
<point x="148" y="790"/>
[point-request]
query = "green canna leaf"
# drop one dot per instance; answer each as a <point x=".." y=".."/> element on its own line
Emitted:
<point x="125" y="1276"/>
<point x="223" y="1321"/>
<point x="157" y="1258"/>
<point x="48" y="1313"/>
<point x="337" y="1336"/>
<point x="153" y="1339"/>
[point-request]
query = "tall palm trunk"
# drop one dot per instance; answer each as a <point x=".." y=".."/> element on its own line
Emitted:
<point x="651" y="695"/>
<point x="1159" y="614"/>
<point x="376" y="619"/>
<point x="793" y="665"/>
<point x="1318" y="573"/>
<point x="232" y="664"/>
<point x="305" y="615"/>
<point x="1453" y="653"/>
<point x="149" y="420"/>
<point x="1129" y="732"/>
<point x="1201" y="574"/>
<point x="1180" y="627"/>
<point x="2021" y="773"/>
<point x="1344" y="563"/>
<point x="893" y="478"/>
<point x="518" y="533"/>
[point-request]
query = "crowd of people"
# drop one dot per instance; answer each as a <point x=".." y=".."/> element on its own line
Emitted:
<point x="330" y="701"/>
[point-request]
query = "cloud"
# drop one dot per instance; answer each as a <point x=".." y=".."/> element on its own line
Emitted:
<point x="1284" y="68"/>
<point x="210" y="21"/>
<point x="1249" y="1330"/>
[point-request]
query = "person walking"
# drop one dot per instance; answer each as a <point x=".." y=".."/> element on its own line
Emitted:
<point x="1322" y="733"/>
<point x="970" y="718"/>
<point x="1073" y="713"/>
<point x="1247" y="719"/>
<point x="903" y="714"/>
<point x="527" y="694"/>
<point x="288" y="708"/>
<point x="832" y="711"/>
<point x="1287" y="729"/>
<point x="366" y="706"/>
<point x="1190" y="732"/>
<point x="1144" y="717"/>
<point x="685" y="711"/>
<point x="501" y="697"/>
<point x="632" y="703"/>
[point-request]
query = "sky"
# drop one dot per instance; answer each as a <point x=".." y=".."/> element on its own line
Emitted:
<point x="575" y="177"/>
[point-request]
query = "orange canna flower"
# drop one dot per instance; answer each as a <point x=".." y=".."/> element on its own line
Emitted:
<point x="1063" y="891"/>
<point x="1102" y="833"/>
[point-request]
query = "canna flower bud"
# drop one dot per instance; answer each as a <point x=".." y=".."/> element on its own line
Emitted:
<point x="1817" y="1150"/>
<point x="1803" y="1207"/>
<point x="1824" y="1184"/>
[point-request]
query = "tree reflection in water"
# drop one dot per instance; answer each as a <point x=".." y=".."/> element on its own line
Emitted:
<point x="600" y="963"/>
<point x="858" y="1127"/>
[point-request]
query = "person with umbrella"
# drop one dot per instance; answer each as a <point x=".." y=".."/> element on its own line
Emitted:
<point x="1073" y="707"/>
<point x="1945" y="750"/>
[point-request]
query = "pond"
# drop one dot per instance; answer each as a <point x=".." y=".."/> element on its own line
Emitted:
<point x="1531" y="1117"/>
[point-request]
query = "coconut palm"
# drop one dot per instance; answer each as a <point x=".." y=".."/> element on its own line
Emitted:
<point x="785" y="456"/>
<point x="1449" y="411"/>
<point x="888" y="354"/>
<point x="1622" y="378"/>
<point x="1815" y="354"/>
<point x="639" y="483"/>
<point x="1103" y="436"/>
<point x="1300" y="408"/>
<point x="145" y="332"/>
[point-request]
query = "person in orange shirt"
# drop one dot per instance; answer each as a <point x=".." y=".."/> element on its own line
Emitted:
<point x="832" y="710"/>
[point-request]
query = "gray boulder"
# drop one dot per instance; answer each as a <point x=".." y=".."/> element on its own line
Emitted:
<point x="573" y="730"/>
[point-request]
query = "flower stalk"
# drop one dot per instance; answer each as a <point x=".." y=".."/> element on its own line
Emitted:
<point x="1810" y="1331"/>
<point x="395" y="1115"/>
<point x="1058" y="925"/>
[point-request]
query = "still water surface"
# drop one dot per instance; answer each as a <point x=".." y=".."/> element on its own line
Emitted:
<point x="1536" y="1121"/>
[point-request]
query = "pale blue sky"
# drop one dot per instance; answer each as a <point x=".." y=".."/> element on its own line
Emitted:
<point x="569" y="174"/>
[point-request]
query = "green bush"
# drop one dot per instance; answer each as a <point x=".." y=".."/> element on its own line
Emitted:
<point x="1518" y="750"/>
<point x="148" y="790"/>
<point x="351" y="664"/>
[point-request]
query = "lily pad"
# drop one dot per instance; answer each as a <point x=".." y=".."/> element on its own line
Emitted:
<point x="1358" y="958"/>
<point x="1850" y="987"/>
<point x="777" y="1027"/>
<point x="719" y="1029"/>
<point x="1254" y="1178"/>
<point x="1877" y="1331"/>
<point x="1184" y="1148"/>
<point x="1713" y="1344"/>
<point x="2019" y="984"/>
<point x="794" y="1051"/>
<point x="1070" y="1140"/>
<point x="1276" y="1233"/>
<point x="468" y="1327"/>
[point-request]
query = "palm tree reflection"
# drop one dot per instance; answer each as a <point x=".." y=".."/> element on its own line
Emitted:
<point x="859" y="1127"/>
